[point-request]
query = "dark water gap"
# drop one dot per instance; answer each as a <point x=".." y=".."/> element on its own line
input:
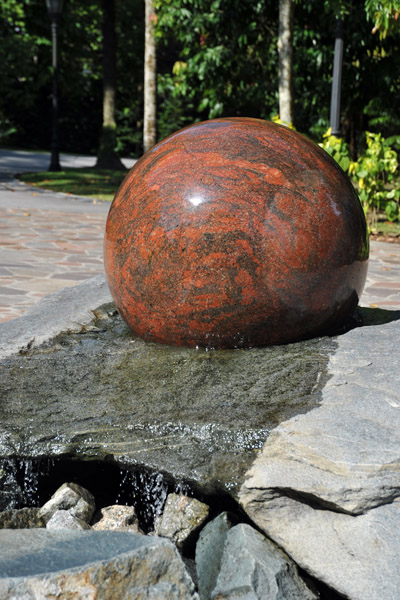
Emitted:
<point x="32" y="482"/>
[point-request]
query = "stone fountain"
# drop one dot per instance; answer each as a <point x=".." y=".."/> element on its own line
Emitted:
<point x="301" y="436"/>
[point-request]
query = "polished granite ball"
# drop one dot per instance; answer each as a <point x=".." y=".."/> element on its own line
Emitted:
<point x="235" y="233"/>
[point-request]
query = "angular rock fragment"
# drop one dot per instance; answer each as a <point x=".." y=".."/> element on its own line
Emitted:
<point x="182" y="516"/>
<point x="116" y="517"/>
<point x="209" y="551"/>
<point x="89" y="565"/>
<point x="243" y="564"/>
<point x="62" y="519"/>
<point x="72" y="497"/>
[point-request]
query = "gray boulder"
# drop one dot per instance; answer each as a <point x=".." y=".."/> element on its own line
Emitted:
<point x="244" y="565"/>
<point x="85" y="565"/>
<point x="72" y="497"/>
<point x="326" y="485"/>
<point x="356" y="556"/>
<point x="181" y="518"/>
<point x="62" y="519"/>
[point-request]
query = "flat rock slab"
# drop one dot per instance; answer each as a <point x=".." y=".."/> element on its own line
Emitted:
<point x="326" y="485"/>
<point x="95" y="390"/>
<point x="87" y="565"/>
<point x="69" y="309"/>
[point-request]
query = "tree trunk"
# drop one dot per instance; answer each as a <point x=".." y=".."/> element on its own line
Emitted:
<point x="107" y="157"/>
<point x="285" y="51"/>
<point x="150" y="78"/>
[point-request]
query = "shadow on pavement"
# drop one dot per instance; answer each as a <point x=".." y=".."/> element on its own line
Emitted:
<point x="377" y="316"/>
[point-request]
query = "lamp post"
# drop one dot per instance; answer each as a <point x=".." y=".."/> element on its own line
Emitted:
<point x="54" y="8"/>
<point x="337" y="79"/>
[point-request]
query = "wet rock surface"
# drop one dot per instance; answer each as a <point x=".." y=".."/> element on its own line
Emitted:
<point x="91" y="564"/>
<point x="199" y="415"/>
<point x="10" y="490"/>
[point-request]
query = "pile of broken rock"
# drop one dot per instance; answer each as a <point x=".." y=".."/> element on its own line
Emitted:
<point x="65" y="549"/>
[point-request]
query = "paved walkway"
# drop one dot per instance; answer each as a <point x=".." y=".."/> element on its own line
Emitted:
<point x="20" y="161"/>
<point x="49" y="241"/>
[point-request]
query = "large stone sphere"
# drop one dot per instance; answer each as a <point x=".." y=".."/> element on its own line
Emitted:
<point x="235" y="233"/>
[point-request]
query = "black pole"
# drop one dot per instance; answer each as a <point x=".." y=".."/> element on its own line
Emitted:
<point x="55" y="157"/>
<point x="337" y="79"/>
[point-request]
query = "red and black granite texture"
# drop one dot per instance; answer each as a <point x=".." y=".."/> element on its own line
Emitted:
<point x="235" y="233"/>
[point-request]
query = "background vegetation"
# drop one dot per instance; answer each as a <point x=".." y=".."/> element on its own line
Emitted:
<point x="215" y="58"/>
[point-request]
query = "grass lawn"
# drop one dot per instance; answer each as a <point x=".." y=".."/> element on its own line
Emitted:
<point x="99" y="184"/>
<point x="383" y="227"/>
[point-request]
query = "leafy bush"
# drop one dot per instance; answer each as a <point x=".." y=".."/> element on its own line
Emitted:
<point x="374" y="174"/>
<point x="277" y="119"/>
<point x="337" y="148"/>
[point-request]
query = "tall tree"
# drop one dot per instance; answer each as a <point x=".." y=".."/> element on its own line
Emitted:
<point x="107" y="157"/>
<point x="285" y="50"/>
<point x="150" y="78"/>
<point x="215" y="58"/>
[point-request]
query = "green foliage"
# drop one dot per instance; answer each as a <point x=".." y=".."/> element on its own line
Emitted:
<point x="375" y="173"/>
<point x="7" y="129"/>
<point x="385" y="15"/>
<point x="337" y="148"/>
<point x="214" y="58"/>
<point x="277" y="119"/>
<point x="20" y="52"/>
<point x="224" y="62"/>
<point x="25" y="74"/>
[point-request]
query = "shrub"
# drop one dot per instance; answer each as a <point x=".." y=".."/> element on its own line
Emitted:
<point x="374" y="174"/>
